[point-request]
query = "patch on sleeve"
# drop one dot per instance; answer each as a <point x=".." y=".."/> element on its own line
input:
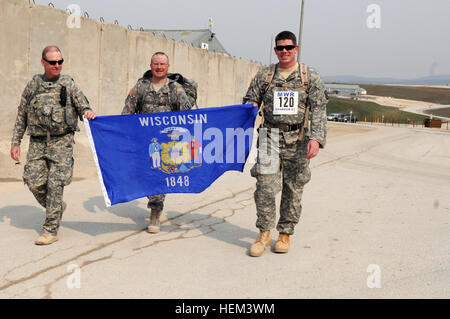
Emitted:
<point x="131" y="92"/>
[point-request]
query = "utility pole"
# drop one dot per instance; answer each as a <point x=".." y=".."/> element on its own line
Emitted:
<point x="300" y="33"/>
<point x="271" y="50"/>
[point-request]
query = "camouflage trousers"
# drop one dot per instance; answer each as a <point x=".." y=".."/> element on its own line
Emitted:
<point x="156" y="201"/>
<point x="280" y="167"/>
<point x="48" y="169"/>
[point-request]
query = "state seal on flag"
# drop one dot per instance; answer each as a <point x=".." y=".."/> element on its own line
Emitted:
<point x="177" y="155"/>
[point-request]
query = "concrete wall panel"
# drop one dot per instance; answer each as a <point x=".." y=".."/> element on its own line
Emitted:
<point x="220" y="83"/>
<point x="133" y="63"/>
<point x="245" y="71"/>
<point x="226" y="79"/>
<point x="213" y="88"/>
<point x="140" y="52"/>
<point x="241" y="80"/>
<point x="105" y="60"/>
<point x="163" y="45"/>
<point x="83" y="58"/>
<point x="48" y="27"/>
<point x="113" y="69"/>
<point x="180" y="59"/>
<point x="14" y="74"/>
<point x="198" y="69"/>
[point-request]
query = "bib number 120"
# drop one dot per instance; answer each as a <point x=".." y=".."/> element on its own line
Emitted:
<point x="288" y="101"/>
<point x="285" y="102"/>
<point x="180" y="181"/>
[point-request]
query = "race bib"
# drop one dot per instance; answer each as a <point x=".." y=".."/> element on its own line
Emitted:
<point x="285" y="102"/>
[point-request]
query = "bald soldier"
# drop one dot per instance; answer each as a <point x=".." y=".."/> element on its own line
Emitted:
<point x="49" y="109"/>
<point x="155" y="92"/>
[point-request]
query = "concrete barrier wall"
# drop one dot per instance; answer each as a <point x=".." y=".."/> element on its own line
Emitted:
<point x="14" y="61"/>
<point x="84" y="60"/>
<point x="105" y="60"/>
<point x="113" y="69"/>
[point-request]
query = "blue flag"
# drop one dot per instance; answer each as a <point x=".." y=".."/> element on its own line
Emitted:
<point x="173" y="152"/>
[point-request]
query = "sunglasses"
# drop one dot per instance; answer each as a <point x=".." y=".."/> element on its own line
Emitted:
<point x="287" y="47"/>
<point x="60" y="62"/>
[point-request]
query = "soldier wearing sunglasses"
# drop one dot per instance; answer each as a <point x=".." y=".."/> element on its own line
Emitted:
<point x="285" y="93"/>
<point x="49" y="109"/>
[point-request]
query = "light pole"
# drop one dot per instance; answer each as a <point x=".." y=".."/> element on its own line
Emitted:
<point x="300" y="33"/>
<point x="271" y="50"/>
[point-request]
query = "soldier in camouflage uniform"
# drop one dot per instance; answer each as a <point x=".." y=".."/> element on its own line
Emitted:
<point x="283" y="100"/>
<point x="49" y="108"/>
<point x="154" y="92"/>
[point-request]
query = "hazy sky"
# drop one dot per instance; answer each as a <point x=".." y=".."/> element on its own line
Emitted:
<point x="413" y="38"/>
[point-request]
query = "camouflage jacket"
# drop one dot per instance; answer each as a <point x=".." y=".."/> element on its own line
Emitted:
<point x="261" y="92"/>
<point x="41" y="110"/>
<point x="144" y="99"/>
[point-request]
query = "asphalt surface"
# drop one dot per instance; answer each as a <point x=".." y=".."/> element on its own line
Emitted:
<point x="375" y="224"/>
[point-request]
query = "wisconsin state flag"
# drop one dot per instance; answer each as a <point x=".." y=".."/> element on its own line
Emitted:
<point x="174" y="152"/>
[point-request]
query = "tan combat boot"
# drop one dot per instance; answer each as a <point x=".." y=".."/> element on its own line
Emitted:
<point x="154" y="221"/>
<point x="264" y="240"/>
<point x="282" y="244"/>
<point x="46" y="239"/>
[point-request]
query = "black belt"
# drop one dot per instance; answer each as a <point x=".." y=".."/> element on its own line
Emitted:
<point x="41" y="138"/>
<point x="285" y="127"/>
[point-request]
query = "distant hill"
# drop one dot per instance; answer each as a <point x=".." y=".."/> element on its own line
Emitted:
<point x="372" y="112"/>
<point x="418" y="93"/>
<point x="445" y="112"/>
<point x="428" y="80"/>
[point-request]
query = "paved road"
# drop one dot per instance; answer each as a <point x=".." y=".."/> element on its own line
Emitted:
<point x="376" y="213"/>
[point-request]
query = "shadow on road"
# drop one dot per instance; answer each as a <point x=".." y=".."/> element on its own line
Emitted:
<point x="206" y="223"/>
<point x="31" y="217"/>
<point x="23" y="217"/>
<point x="211" y="226"/>
<point x="125" y="210"/>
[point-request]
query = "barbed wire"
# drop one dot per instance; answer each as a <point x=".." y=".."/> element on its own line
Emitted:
<point x="102" y="20"/>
